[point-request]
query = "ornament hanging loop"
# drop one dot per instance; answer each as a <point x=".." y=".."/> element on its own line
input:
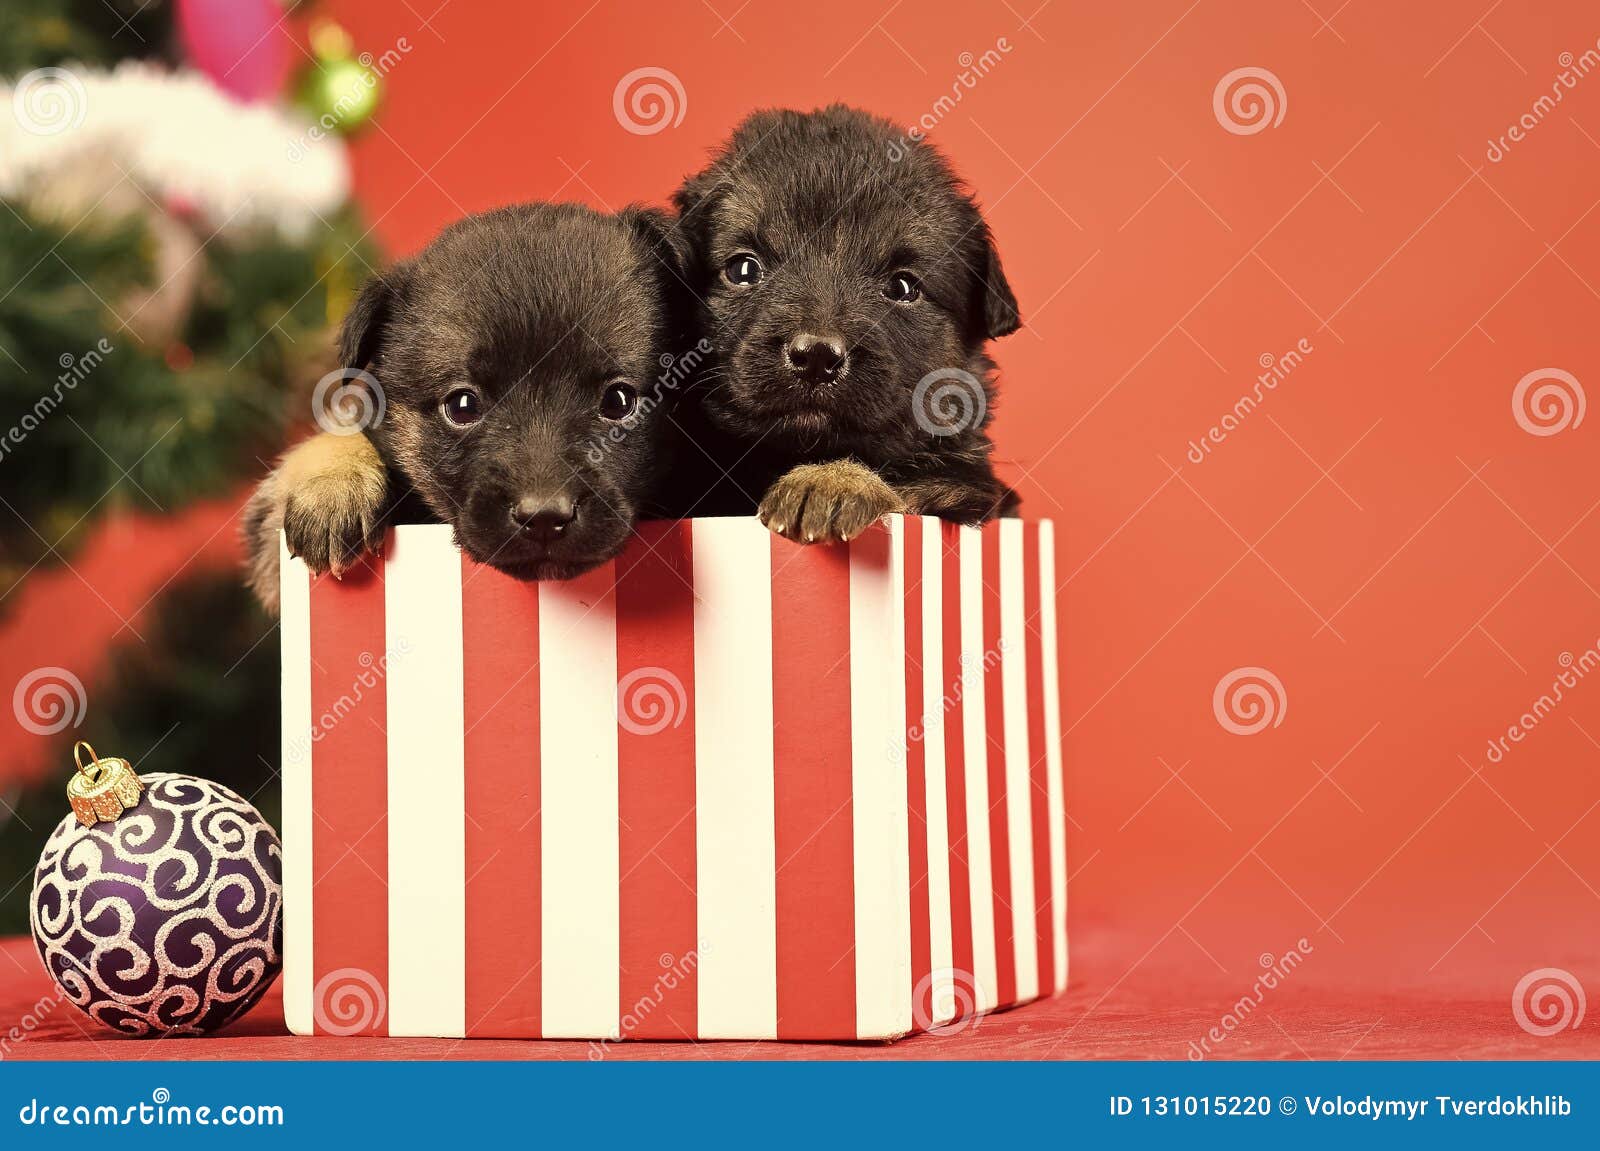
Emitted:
<point x="77" y="757"/>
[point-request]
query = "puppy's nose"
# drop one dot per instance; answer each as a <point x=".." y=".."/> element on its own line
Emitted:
<point x="816" y="359"/>
<point x="544" y="518"/>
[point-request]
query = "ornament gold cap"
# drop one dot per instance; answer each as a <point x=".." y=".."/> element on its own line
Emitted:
<point x="329" y="41"/>
<point x="103" y="789"/>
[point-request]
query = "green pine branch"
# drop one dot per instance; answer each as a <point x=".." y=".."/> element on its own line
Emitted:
<point x="49" y="33"/>
<point x="93" y="419"/>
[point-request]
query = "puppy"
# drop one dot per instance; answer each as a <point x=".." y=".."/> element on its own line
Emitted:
<point x="512" y="376"/>
<point x="849" y="285"/>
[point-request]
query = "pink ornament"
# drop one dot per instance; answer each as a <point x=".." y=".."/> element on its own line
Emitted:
<point x="237" y="43"/>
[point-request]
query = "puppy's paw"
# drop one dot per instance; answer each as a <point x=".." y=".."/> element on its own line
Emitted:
<point x="333" y="490"/>
<point x="331" y="528"/>
<point x="824" y="503"/>
<point x="259" y="526"/>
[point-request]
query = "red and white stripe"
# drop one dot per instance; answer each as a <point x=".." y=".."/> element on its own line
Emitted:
<point x="848" y="822"/>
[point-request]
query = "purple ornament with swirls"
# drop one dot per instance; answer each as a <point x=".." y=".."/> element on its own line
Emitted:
<point x="168" y="920"/>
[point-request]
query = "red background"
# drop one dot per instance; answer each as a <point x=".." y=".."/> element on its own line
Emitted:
<point x="1381" y="533"/>
<point x="1368" y="222"/>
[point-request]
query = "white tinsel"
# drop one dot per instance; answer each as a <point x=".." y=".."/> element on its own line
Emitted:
<point x="178" y="136"/>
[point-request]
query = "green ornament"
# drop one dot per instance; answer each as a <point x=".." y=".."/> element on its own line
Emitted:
<point x="339" y="90"/>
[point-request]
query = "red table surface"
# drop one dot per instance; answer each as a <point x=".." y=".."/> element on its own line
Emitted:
<point x="1091" y="1021"/>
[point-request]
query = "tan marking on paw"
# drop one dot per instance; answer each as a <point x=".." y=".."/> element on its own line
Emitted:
<point x="332" y="491"/>
<point x="827" y="503"/>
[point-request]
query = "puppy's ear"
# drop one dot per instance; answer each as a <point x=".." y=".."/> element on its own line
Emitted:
<point x="696" y="198"/>
<point x="996" y="306"/>
<point x="695" y="201"/>
<point x="662" y="235"/>
<point x="362" y="331"/>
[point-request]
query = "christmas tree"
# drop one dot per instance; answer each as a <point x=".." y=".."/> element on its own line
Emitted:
<point x="178" y="244"/>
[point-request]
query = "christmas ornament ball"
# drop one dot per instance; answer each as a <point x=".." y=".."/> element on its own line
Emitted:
<point x="340" y="90"/>
<point x="163" y="915"/>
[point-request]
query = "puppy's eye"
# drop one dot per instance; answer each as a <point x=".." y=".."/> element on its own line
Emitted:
<point x="619" y="401"/>
<point x="462" y="407"/>
<point x="903" y="288"/>
<point x="743" y="271"/>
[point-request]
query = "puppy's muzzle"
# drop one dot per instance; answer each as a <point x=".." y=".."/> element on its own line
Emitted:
<point x="816" y="359"/>
<point x="544" y="519"/>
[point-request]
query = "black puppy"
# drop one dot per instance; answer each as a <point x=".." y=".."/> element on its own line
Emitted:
<point x="516" y="366"/>
<point x="849" y="286"/>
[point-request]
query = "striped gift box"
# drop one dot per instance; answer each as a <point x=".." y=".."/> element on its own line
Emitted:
<point x="723" y="787"/>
